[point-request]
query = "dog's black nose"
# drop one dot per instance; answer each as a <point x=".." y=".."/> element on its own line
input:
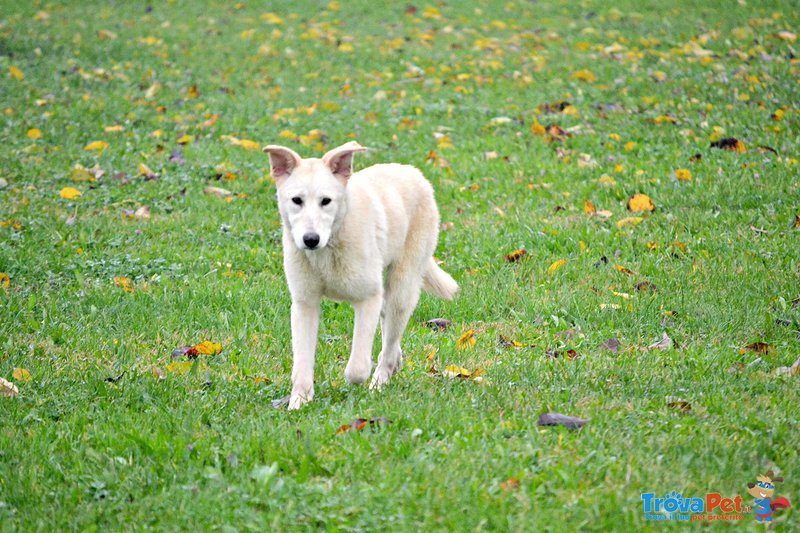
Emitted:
<point x="311" y="240"/>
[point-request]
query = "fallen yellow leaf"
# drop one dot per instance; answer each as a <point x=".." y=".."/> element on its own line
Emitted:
<point x="5" y="281"/>
<point x="16" y="73"/>
<point x="467" y="340"/>
<point x="21" y="374"/>
<point x="69" y="193"/>
<point x="96" y="146"/>
<point x="584" y="75"/>
<point x="152" y="91"/>
<point x="179" y="367"/>
<point x="208" y="348"/>
<point x="185" y="139"/>
<point x="454" y="371"/>
<point x="248" y="145"/>
<point x="556" y="265"/>
<point x="683" y="174"/>
<point x="606" y="181"/>
<point x="144" y="170"/>
<point x="271" y="18"/>
<point x="629" y="221"/>
<point x="80" y="173"/>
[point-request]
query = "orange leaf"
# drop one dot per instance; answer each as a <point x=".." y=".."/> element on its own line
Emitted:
<point x="624" y="270"/>
<point x="516" y="255"/>
<point x="641" y="202"/>
<point x="124" y="283"/>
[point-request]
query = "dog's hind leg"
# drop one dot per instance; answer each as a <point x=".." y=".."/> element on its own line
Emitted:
<point x="367" y="314"/>
<point x="401" y="298"/>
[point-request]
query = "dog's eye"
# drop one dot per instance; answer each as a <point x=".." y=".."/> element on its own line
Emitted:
<point x="297" y="200"/>
<point x="325" y="201"/>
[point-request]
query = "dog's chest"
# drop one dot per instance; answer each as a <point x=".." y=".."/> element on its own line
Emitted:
<point x="344" y="278"/>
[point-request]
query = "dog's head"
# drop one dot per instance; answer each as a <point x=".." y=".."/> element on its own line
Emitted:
<point x="311" y="192"/>
<point x="764" y="486"/>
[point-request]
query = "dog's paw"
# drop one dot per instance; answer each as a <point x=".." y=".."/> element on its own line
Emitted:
<point x="299" y="398"/>
<point x="357" y="373"/>
<point x="380" y="378"/>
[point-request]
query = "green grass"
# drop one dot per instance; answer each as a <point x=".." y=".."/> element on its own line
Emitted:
<point x="207" y="450"/>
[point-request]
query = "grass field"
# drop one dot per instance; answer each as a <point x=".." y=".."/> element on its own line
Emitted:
<point x="519" y="113"/>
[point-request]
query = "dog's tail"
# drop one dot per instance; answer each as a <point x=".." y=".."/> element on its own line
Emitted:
<point x="438" y="282"/>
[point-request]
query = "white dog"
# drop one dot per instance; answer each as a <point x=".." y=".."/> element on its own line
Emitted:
<point x="367" y="238"/>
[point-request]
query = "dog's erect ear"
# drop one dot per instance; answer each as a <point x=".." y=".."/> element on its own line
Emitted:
<point x="282" y="161"/>
<point x="340" y="160"/>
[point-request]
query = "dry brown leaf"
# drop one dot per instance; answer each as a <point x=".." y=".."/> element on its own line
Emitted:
<point x="557" y="419"/>
<point x="625" y="270"/>
<point x="7" y="388"/>
<point x="219" y="191"/>
<point x="732" y="144"/>
<point x="793" y="370"/>
<point x="645" y="286"/>
<point x="509" y="484"/>
<point x="676" y="403"/>
<point x="360" y="423"/>
<point x="612" y="345"/>
<point x="438" y="323"/>
<point x="759" y="347"/>
<point x="664" y="344"/>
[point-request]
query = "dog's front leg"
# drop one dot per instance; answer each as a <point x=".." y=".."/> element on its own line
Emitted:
<point x="305" y="325"/>
<point x="367" y="314"/>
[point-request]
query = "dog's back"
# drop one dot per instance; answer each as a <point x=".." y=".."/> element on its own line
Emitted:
<point x="412" y="221"/>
